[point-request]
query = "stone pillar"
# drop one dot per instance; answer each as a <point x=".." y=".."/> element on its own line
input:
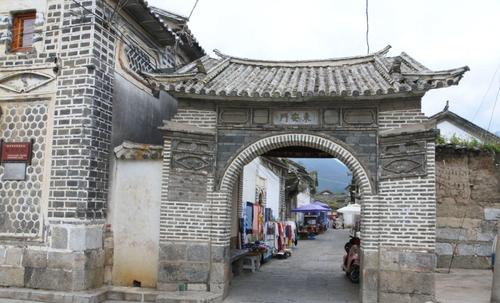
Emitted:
<point x="186" y="214"/>
<point x="407" y="214"/>
<point x="495" y="288"/>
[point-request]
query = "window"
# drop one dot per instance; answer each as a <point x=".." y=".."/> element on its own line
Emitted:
<point x="22" y="32"/>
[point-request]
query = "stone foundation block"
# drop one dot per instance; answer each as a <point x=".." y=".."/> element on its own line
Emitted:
<point x="219" y="272"/>
<point x="184" y="272"/>
<point x="403" y="298"/>
<point x="35" y="258"/>
<point x="405" y="282"/>
<point x="407" y="260"/>
<point x="198" y="252"/>
<point x="11" y="276"/>
<point x="47" y="278"/>
<point x="14" y="256"/>
<point x="174" y="251"/>
<point x="59" y="237"/>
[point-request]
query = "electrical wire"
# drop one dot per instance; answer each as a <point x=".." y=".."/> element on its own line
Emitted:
<point x="494" y="107"/>
<point x="367" y="30"/>
<point x="486" y="93"/>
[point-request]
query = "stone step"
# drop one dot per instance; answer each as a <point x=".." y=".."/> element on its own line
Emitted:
<point x="108" y="294"/>
<point x="189" y="297"/>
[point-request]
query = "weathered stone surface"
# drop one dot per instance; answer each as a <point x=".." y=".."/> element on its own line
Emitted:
<point x="220" y="253"/>
<point x="405" y="282"/>
<point x="406" y="260"/>
<point x="467" y="262"/>
<point x="444" y="248"/>
<point x="59" y="237"/>
<point x="404" y="298"/>
<point x="35" y="258"/>
<point x="189" y="297"/>
<point x="14" y="256"/>
<point x="76" y="238"/>
<point x="11" y="276"/>
<point x="491" y="214"/>
<point x="188" y="272"/>
<point x="174" y="251"/>
<point x="198" y="252"/>
<point x="219" y="272"/>
<point x="468" y="196"/>
<point x="93" y="237"/>
<point x="47" y="278"/>
<point x="61" y="260"/>
<point x="370" y="259"/>
<point x="451" y="233"/>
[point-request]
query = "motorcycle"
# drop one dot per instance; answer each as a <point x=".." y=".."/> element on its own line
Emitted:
<point x="351" y="264"/>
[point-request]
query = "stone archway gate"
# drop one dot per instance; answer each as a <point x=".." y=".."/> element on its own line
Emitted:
<point x="365" y="111"/>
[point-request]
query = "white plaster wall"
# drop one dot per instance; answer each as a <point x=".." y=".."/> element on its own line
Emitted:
<point x="304" y="198"/>
<point x="448" y="129"/>
<point x="135" y="221"/>
<point x="15" y="6"/>
<point x="255" y="169"/>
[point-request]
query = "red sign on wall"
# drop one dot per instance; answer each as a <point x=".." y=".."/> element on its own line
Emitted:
<point x="16" y="151"/>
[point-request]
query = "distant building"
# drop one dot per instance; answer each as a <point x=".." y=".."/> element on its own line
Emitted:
<point x="451" y="124"/>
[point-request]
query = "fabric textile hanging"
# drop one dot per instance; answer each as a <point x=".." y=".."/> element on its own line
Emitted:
<point x="248" y="218"/>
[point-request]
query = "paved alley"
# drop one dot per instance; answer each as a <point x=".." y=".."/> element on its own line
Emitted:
<point x="312" y="274"/>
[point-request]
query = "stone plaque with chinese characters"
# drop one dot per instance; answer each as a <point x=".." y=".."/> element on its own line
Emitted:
<point x="295" y="117"/>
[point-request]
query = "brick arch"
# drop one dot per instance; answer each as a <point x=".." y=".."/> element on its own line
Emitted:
<point x="261" y="146"/>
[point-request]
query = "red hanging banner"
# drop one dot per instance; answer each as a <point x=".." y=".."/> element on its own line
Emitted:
<point x="16" y="151"/>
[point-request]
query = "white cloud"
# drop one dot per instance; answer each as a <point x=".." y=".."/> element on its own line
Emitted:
<point x="440" y="34"/>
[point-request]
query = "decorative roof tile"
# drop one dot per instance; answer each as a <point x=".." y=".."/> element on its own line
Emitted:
<point x="371" y="75"/>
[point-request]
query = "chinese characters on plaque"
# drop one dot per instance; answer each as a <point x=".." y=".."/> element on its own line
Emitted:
<point x="295" y="117"/>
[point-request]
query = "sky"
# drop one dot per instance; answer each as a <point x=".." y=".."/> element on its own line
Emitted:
<point x="441" y="34"/>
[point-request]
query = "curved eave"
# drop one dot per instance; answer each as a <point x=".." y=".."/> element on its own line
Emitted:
<point x="229" y="98"/>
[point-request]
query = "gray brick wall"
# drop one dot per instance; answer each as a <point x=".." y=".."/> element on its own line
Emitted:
<point x="196" y="117"/>
<point x="399" y="118"/>
<point x="82" y="121"/>
<point x="408" y="208"/>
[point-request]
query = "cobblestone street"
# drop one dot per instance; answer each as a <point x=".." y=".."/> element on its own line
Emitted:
<point x="312" y="274"/>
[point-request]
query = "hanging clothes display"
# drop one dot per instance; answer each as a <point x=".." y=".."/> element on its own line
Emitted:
<point x="248" y="218"/>
<point x="255" y="221"/>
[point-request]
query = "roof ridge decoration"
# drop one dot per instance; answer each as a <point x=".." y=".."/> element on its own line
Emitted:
<point x="305" y="63"/>
<point x="362" y="77"/>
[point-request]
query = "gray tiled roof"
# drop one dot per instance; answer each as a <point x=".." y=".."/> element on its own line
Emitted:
<point x="371" y="75"/>
<point x="151" y="18"/>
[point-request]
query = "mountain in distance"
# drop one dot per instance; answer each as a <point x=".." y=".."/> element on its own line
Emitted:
<point x="333" y="175"/>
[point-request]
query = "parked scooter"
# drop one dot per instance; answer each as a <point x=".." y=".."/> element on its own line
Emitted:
<point x="351" y="264"/>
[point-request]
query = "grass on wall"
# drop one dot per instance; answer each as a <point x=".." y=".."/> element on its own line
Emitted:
<point x="474" y="144"/>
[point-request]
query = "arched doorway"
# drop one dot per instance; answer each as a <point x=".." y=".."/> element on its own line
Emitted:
<point x="277" y="143"/>
<point x="364" y="110"/>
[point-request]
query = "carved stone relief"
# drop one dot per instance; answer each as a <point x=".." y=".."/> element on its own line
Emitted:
<point x="402" y="159"/>
<point x="24" y="82"/>
<point x="189" y="155"/>
<point x="403" y="166"/>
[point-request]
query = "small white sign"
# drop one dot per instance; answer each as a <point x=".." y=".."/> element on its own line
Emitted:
<point x="13" y="171"/>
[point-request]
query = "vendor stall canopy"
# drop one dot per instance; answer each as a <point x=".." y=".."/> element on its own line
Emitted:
<point x="351" y="77"/>
<point x="310" y="207"/>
